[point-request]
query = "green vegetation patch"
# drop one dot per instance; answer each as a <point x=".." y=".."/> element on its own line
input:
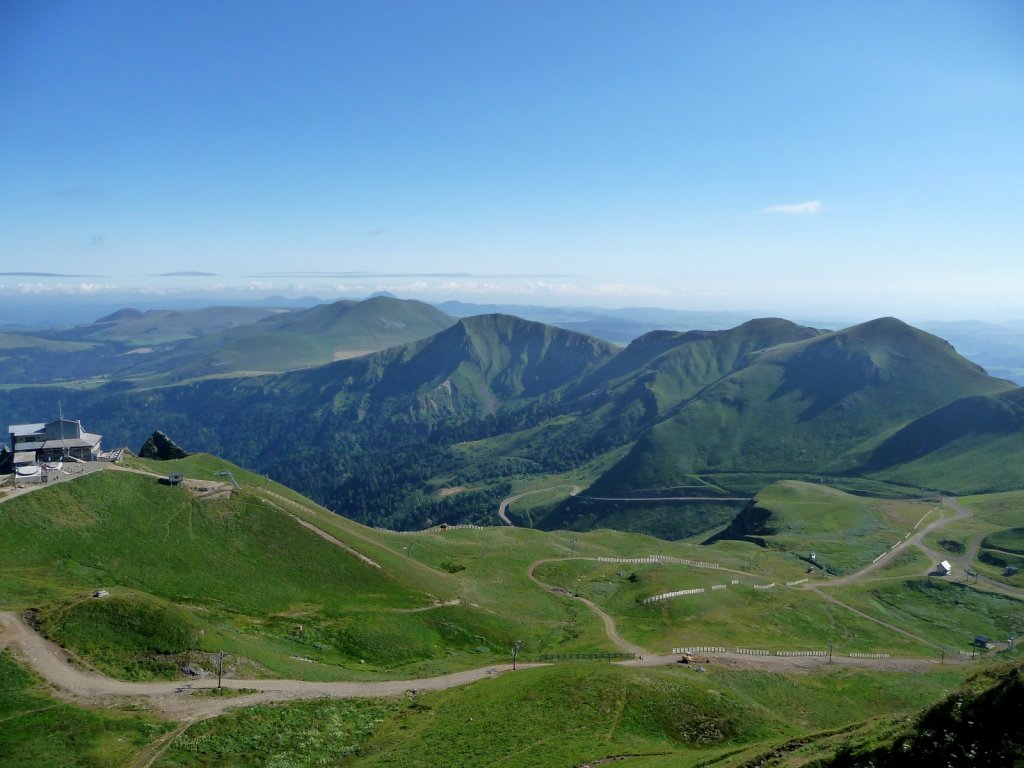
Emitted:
<point x="948" y="613"/>
<point x="37" y="730"/>
<point x="845" y="532"/>
<point x="115" y="528"/>
<point x="127" y="636"/>
<point x="780" y="618"/>
<point x="308" y="733"/>
<point x="1009" y="540"/>
<point x="563" y="715"/>
<point x="977" y="725"/>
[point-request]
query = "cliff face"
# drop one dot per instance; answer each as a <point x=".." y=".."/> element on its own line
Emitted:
<point x="160" y="446"/>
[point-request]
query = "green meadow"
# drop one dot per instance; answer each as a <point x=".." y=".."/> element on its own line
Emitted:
<point x="189" y="578"/>
<point x="562" y="716"/>
<point x="38" y="730"/>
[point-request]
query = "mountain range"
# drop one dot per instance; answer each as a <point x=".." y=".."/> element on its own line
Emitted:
<point x="441" y="427"/>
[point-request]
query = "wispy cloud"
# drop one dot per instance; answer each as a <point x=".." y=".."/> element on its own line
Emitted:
<point x="795" y="209"/>
<point x="187" y="273"/>
<point x="396" y="275"/>
<point x="42" y="274"/>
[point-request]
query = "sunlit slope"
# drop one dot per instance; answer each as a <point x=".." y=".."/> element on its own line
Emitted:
<point x="300" y="338"/>
<point x="811" y="406"/>
<point x="120" y="528"/>
<point x="568" y="715"/>
<point x="845" y="532"/>
<point x="244" y="574"/>
<point x="157" y="327"/>
<point x="468" y="370"/>
<point x="644" y="383"/>
<point x="972" y="445"/>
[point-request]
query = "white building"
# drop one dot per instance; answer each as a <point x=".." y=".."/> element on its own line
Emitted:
<point x="53" y="441"/>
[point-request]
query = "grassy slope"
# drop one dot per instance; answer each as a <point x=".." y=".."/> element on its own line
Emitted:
<point x="560" y="716"/>
<point x="602" y="710"/>
<point x="776" y="619"/>
<point x="301" y="338"/>
<point x="814" y="405"/>
<point x="951" y="614"/>
<point x="995" y="515"/>
<point x="66" y="554"/>
<point x="978" y="724"/>
<point x="973" y="445"/>
<point x="207" y="557"/>
<point x="38" y="730"/>
<point x="845" y="532"/>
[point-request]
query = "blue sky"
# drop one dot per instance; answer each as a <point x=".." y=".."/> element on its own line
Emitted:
<point x="854" y="158"/>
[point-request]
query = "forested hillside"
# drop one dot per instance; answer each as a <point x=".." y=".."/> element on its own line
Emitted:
<point x="443" y="428"/>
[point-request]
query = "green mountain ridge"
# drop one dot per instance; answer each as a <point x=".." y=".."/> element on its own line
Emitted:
<point x="973" y="443"/>
<point x="494" y="400"/>
<point x="300" y="338"/>
<point x="816" y="405"/>
<point x="162" y="326"/>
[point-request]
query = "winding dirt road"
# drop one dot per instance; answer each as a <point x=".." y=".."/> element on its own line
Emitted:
<point x="176" y="699"/>
<point x="609" y="624"/>
<point x="503" y="507"/>
<point x="172" y="698"/>
<point x="916" y="539"/>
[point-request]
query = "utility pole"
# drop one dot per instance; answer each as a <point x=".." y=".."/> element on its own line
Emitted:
<point x="515" y="653"/>
<point x="830" y="653"/>
<point x="220" y="666"/>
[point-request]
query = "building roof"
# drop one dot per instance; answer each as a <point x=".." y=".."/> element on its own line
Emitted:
<point x="26" y="429"/>
<point x="25" y="457"/>
<point x="86" y="441"/>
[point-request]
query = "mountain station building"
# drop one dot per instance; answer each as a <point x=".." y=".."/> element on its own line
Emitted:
<point x="53" y="441"/>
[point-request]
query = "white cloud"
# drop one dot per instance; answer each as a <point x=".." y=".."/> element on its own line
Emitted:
<point x="512" y="287"/>
<point x="796" y="209"/>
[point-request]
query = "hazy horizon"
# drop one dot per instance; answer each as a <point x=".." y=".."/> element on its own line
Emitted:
<point x="842" y="159"/>
<point x="44" y="310"/>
